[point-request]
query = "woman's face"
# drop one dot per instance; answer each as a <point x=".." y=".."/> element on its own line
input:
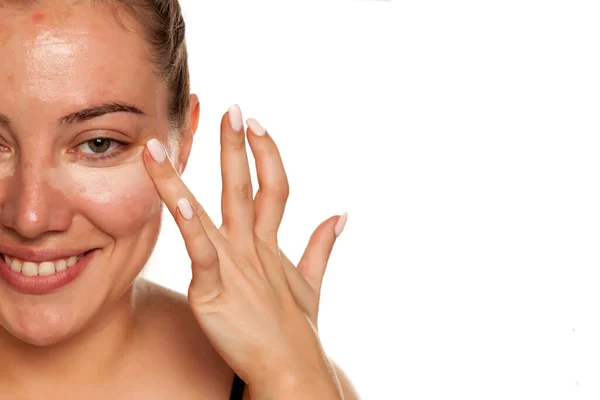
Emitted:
<point x="69" y="75"/>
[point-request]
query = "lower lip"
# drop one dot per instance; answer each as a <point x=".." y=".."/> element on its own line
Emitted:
<point x="43" y="284"/>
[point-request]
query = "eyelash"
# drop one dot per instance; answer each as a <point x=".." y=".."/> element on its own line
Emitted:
<point x="103" y="156"/>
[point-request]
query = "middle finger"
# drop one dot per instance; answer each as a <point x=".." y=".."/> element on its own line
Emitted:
<point x="237" y="198"/>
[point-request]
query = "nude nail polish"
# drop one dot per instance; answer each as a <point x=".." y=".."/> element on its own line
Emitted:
<point x="235" y="118"/>
<point x="157" y="151"/>
<point x="185" y="208"/>
<point x="255" y="126"/>
<point x="339" y="226"/>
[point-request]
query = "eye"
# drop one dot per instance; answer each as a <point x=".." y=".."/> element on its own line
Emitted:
<point x="100" y="149"/>
<point x="99" y="146"/>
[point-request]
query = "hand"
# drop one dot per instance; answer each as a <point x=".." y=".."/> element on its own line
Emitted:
<point x="257" y="310"/>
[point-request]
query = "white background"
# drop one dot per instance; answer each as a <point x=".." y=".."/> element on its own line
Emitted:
<point x="462" y="137"/>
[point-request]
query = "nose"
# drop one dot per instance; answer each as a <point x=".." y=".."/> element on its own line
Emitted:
<point x="31" y="204"/>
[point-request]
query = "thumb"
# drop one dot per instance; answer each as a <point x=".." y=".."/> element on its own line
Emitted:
<point x="313" y="263"/>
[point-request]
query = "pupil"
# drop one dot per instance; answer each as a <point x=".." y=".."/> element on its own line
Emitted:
<point x="99" y="145"/>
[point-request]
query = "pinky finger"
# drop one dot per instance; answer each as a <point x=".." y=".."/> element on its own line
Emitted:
<point x="314" y="261"/>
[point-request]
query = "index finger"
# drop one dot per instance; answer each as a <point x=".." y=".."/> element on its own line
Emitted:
<point x="198" y="230"/>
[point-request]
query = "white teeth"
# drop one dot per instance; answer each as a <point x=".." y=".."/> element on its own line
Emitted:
<point x="71" y="261"/>
<point x="15" y="265"/>
<point x="60" y="265"/>
<point x="45" y="268"/>
<point x="30" y="269"/>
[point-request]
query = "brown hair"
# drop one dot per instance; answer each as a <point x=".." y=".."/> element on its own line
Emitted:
<point x="164" y="30"/>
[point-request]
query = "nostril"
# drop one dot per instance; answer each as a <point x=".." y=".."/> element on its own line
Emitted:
<point x="31" y="213"/>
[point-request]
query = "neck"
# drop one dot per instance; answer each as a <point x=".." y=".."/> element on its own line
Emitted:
<point x="94" y="352"/>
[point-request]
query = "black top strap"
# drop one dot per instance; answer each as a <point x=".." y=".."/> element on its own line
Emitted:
<point x="237" y="390"/>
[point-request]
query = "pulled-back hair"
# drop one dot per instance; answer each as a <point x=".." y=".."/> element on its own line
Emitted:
<point x="164" y="30"/>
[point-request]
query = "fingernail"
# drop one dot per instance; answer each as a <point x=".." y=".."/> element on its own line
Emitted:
<point x="235" y="118"/>
<point x="157" y="151"/>
<point x="255" y="126"/>
<point x="185" y="208"/>
<point x="339" y="226"/>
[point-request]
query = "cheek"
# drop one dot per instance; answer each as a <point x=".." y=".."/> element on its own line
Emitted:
<point x="119" y="201"/>
<point x="128" y="208"/>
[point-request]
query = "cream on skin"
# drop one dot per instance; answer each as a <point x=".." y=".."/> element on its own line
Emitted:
<point x="55" y="192"/>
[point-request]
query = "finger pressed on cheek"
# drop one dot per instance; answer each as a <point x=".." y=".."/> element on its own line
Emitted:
<point x="157" y="151"/>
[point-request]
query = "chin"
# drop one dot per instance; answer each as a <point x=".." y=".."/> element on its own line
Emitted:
<point x="38" y="336"/>
<point x="41" y="326"/>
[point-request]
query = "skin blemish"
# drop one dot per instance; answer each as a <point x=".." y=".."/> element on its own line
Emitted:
<point x="38" y="17"/>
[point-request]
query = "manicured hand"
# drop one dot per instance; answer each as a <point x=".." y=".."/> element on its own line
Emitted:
<point x="255" y="307"/>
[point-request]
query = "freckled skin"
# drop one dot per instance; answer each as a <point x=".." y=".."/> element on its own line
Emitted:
<point x="63" y="59"/>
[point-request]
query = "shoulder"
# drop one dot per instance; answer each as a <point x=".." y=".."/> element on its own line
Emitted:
<point x="348" y="389"/>
<point x="169" y="331"/>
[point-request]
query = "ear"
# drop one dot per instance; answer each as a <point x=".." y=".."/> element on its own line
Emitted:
<point x="187" y="136"/>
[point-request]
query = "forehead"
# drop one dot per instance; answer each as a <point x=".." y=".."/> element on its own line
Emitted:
<point x="76" y="53"/>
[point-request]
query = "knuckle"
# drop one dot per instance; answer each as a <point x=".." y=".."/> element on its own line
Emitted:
<point x="198" y="209"/>
<point x="279" y="190"/>
<point x="210" y="259"/>
<point x="201" y="298"/>
<point x="235" y="141"/>
<point x="168" y="177"/>
<point x="244" y="190"/>
<point x="268" y="237"/>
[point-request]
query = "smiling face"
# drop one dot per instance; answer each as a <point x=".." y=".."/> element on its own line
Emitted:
<point x="75" y="181"/>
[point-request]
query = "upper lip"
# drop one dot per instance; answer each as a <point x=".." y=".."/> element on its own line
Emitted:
<point x="40" y="255"/>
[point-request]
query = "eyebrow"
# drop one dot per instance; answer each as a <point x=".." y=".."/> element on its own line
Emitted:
<point x="98" y="111"/>
<point x="89" y="113"/>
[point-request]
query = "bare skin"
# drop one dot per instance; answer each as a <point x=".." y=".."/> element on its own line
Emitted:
<point x="109" y="336"/>
<point x="167" y="356"/>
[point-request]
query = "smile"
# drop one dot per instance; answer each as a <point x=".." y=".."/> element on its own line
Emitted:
<point x="45" y="268"/>
<point x="43" y="274"/>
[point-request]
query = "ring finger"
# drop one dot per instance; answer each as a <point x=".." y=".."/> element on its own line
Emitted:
<point x="273" y="190"/>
